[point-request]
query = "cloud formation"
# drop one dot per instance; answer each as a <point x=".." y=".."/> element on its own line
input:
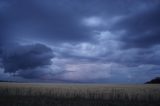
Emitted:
<point x="26" y="57"/>
<point x="38" y="18"/>
<point x="64" y="40"/>
<point x="141" y="30"/>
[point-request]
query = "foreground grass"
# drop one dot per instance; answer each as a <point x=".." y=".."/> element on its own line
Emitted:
<point x="13" y="94"/>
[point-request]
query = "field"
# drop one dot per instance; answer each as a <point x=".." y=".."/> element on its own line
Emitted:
<point x="32" y="94"/>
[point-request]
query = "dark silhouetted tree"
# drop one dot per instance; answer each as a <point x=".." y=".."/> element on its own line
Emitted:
<point x="154" y="81"/>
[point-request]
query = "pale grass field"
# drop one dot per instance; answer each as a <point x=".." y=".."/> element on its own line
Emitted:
<point x="83" y="90"/>
<point x="45" y="94"/>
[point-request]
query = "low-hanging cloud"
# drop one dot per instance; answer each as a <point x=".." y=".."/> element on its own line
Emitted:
<point x="26" y="57"/>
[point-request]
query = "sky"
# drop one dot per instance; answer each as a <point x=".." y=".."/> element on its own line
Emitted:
<point x="86" y="41"/>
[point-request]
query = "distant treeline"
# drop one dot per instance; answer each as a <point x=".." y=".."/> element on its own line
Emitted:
<point x="6" y="81"/>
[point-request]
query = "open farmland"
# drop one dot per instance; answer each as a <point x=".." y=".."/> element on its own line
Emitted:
<point x="31" y="94"/>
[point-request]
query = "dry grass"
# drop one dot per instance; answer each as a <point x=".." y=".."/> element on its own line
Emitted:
<point x="29" y="94"/>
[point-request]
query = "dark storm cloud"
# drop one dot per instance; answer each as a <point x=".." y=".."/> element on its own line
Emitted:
<point x="142" y="29"/>
<point x="71" y="28"/>
<point x="26" y="57"/>
<point x="57" y="20"/>
<point x="48" y="20"/>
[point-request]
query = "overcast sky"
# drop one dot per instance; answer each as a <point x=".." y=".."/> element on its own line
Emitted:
<point x="112" y="41"/>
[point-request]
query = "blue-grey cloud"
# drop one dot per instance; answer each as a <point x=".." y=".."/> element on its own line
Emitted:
<point x="141" y="30"/>
<point x="50" y="22"/>
<point x="84" y="32"/>
<point x="26" y="57"/>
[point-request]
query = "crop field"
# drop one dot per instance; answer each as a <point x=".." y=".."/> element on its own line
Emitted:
<point x="39" y="94"/>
